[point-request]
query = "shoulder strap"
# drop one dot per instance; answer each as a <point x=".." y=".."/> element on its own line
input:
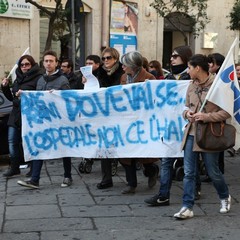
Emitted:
<point x="200" y="100"/>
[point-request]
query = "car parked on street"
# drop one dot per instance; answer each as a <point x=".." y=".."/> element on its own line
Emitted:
<point x="5" y="109"/>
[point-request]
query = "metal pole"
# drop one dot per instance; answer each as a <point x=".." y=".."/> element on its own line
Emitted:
<point x="105" y="23"/>
<point x="73" y="36"/>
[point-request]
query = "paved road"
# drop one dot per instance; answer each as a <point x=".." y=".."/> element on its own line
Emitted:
<point x="84" y="212"/>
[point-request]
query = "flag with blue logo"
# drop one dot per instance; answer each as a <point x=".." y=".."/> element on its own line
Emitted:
<point x="224" y="91"/>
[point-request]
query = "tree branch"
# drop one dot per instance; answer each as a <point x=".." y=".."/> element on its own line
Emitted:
<point x="49" y="13"/>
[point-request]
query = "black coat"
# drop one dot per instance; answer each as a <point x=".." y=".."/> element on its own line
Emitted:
<point x="24" y="81"/>
<point x="75" y="81"/>
<point x="110" y="80"/>
<point x="183" y="76"/>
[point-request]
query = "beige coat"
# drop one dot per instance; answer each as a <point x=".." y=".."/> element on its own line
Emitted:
<point x="215" y="113"/>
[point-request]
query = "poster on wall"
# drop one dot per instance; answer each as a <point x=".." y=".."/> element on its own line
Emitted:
<point x="124" y="26"/>
<point x="16" y="9"/>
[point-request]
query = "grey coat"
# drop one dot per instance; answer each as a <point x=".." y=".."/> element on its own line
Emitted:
<point x="53" y="82"/>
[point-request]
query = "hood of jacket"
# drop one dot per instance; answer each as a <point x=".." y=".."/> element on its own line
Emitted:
<point x="50" y="78"/>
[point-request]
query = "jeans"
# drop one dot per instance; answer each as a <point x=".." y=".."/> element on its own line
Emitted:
<point x="166" y="176"/>
<point x="36" y="170"/>
<point x="14" y="143"/>
<point x="190" y="172"/>
<point x="37" y="166"/>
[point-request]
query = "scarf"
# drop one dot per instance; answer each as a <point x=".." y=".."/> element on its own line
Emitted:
<point x="176" y="69"/>
<point x="112" y="70"/>
<point x="130" y="78"/>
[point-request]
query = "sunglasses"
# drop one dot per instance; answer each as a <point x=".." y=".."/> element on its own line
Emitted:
<point x="25" y="64"/>
<point x="175" y="56"/>
<point x="107" y="58"/>
<point x="151" y="66"/>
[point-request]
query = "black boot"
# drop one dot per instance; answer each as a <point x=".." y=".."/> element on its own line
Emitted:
<point x="12" y="172"/>
<point x="151" y="171"/>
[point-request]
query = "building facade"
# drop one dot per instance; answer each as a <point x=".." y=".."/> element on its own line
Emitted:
<point x="154" y="40"/>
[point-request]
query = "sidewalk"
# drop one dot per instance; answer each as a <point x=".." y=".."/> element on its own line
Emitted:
<point x="85" y="212"/>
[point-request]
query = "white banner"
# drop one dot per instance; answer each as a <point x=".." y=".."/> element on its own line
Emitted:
<point x="134" y="120"/>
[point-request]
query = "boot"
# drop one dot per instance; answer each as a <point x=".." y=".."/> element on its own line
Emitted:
<point x="13" y="169"/>
<point x="153" y="176"/>
<point x="12" y="172"/>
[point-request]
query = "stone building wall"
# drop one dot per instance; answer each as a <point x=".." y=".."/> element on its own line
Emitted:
<point x="17" y="34"/>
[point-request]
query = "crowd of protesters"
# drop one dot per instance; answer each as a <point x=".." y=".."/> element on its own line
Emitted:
<point x="110" y="69"/>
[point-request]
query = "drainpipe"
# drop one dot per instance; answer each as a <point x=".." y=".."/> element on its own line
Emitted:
<point x="73" y="34"/>
<point x="105" y="23"/>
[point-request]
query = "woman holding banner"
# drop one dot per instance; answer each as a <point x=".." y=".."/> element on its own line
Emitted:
<point x="28" y="73"/>
<point x="134" y="72"/>
<point x="198" y="69"/>
<point x="109" y="74"/>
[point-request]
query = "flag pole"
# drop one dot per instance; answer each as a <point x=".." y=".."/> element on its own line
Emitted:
<point x="218" y="74"/>
<point x="15" y="66"/>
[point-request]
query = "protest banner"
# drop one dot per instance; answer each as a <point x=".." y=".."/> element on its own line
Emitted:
<point x="125" y="121"/>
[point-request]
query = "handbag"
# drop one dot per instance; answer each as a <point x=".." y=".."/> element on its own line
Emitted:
<point x="215" y="136"/>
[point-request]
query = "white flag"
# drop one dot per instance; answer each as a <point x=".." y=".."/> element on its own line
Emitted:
<point x="224" y="91"/>
<point x="12" y="73"/>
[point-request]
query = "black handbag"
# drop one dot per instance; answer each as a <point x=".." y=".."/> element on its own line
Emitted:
<point x="215" y="136"/>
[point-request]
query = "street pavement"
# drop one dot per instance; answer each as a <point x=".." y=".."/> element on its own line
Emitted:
<point x="83" y="212"/>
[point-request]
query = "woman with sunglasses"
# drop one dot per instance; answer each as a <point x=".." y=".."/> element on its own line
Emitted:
<point x="109" y="75"/>
<point x="179" y="66"/>
<point x="28" y="73"/>
<point x="179" y="63"/>
<point x="155" y="69"/>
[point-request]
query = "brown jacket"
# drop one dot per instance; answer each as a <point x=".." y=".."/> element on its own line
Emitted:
<point x="215" y="113"/>
<point x="142" y="76"/>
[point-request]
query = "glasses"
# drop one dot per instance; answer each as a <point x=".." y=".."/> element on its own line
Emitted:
<point x="175" y="56"/>
<point x="151" y="66"/>
<point x="106" y="58"/>
<point x="25" y="64"/>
